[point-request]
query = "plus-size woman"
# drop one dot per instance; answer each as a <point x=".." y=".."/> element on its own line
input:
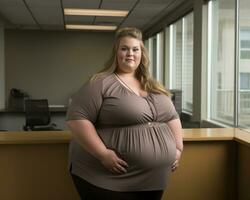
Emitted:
<point x="126" y="133"/>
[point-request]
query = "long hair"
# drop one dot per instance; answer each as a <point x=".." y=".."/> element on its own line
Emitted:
<point x="142" y="72"/>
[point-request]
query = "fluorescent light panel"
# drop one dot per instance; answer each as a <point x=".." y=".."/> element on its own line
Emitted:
<point x="95" y="12"/>
<point x="91" y="27"/>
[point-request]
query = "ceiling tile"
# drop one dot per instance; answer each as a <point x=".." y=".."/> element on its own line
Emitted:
<point x="144" y="12"/>
<point x="90" y="4"/>
<point x="46" y="12"/>
<point x="108" y="20"/>
<point x="79" y="19"/>
<point x="16" y="12"/>
<point x="49" y="14"/>
<point x="118" y="4"/>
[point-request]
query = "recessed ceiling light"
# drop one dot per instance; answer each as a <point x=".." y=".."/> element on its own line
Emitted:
<point x="91" y="27"/>
<point x="95" y="12"/>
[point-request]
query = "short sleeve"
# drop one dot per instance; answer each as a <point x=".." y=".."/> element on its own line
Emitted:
<point x="172" y="111"/>
<point x="165" y="108"/>
<point x="86" y="103"/>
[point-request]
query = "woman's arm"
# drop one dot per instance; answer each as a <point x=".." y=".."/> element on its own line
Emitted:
<point x="84" y="133"/>
<point x="175" y="126"/>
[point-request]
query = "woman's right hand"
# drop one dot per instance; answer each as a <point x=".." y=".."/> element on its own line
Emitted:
<point x="113" y="163"/>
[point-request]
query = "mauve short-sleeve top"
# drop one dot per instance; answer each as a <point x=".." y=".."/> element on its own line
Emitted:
<point x="133" y="126"/>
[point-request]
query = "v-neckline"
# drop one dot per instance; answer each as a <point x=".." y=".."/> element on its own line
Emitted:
<point x="122" y="83"/>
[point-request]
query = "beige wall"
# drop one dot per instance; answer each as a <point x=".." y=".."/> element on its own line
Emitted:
<point x="2" y="66"/>
<point x="53" y="64"/>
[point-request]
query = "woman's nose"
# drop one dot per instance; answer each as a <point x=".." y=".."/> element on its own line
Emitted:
<point x="130" y="52"/>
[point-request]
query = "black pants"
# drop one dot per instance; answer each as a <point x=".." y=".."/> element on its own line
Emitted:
<point x="88" y="191"/>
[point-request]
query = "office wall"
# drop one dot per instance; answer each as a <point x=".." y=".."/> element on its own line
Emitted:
<point x="2" y="66"/>
<point x="53" y="64"/>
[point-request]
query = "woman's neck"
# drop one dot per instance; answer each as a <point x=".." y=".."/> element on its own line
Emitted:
<point x="125" y="74"/>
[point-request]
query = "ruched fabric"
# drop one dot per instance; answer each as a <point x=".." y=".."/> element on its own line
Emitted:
<point x="134" y="127"/>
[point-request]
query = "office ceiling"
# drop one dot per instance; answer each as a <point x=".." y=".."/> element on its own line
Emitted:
<point x="48" y="14"/>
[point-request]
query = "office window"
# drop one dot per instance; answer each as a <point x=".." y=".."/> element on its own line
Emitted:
<point x="187" y="64"/>
<point x="245" y="81"/>
<point x="168" y="57"/>
<point x="176" y="48"/>
<point x="159" y="62"/>
<point x="221" y="20"/>
<point x="146" y="44"/>
<point x="149" y="44"/>
<point x="245" y="43"/>
<point x="154" y="56"/>
<point x="180" y="55"/>
<point x="155" y="46"/>
<point x="244" y="64"/>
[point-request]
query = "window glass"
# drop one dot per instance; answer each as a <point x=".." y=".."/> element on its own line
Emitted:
<point x="154" y="56"/>
<point x="177" y="55"/>
<point x="159" y="67"/>
<point x="244" y="64"/>
<point x="187" y="66"/>
<point x="149" y="45"/>
<point x="168" y="57"/>
<point x="221" y="60"/>
<point x="146" y="44"/>
<point x="181" y="59"/>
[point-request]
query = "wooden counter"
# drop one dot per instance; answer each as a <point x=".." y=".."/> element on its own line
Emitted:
<point x="242" y="136"/>
<point x="197" y="134"/>
<point x="34" y="137"/>
<point x="208" y="134"/>
<point x="215" y="165"/>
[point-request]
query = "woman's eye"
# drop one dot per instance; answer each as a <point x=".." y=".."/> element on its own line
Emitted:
<point x="135" y="49"/>
<point x="123" y="48"/>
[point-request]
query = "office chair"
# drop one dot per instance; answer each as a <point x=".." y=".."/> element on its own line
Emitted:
<point x="37" y="116"/>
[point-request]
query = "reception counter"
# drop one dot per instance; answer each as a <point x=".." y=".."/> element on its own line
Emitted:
<point x="215" y="165"/>
<point x="198" y="134"/>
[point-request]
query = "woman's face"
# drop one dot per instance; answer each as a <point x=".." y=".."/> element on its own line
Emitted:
<point x="128" y="54"/>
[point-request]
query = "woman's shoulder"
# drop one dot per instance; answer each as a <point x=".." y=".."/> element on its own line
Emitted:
<point x="161" y="96"/>
<point x="98" y="82"/>
<point x="101" y="79"/>
<point x="101" y="76"/>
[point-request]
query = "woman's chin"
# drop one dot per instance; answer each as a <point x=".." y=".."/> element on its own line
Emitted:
<point x="128" y="69"/>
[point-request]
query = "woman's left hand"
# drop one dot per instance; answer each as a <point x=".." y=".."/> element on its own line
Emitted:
<point x="177" y="159"/>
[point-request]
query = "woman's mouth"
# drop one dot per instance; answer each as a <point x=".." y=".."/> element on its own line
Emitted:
<point x="129" y="60"/>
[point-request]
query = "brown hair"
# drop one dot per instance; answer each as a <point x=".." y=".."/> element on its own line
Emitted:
<point x="142" y="72"/>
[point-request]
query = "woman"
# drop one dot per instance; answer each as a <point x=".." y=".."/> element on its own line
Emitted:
<point x="126" y="133"/>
